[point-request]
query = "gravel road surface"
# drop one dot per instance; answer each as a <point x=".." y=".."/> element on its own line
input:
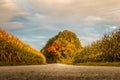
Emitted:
<point x="59" y="72"/>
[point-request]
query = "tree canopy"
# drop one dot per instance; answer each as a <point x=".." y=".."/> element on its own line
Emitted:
<point x="62" y="47"/>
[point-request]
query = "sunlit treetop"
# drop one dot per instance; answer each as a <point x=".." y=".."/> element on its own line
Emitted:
<point x="62" y="47"/>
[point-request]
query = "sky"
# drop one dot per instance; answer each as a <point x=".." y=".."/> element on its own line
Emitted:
<point x="36" y="21"/>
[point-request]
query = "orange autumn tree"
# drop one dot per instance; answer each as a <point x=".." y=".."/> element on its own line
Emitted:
<point x="62" y="47"/>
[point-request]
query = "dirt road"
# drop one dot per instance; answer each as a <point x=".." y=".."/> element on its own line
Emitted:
<point x="59" y="72"/>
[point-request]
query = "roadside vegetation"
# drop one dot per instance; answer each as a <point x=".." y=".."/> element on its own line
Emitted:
<point x="62" y="48"/>
<point x="105" y="50"/>
<point x="15" y="52"/>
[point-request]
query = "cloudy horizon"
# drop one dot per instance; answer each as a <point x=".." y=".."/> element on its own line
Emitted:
<point x="35" y="21"/>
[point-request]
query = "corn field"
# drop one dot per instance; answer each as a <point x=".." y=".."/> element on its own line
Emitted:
<point x="13" y="51"/>
<point x="106" y="49"/>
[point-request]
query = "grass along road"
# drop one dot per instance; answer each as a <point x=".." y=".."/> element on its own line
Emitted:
<point x="59" y="72"/>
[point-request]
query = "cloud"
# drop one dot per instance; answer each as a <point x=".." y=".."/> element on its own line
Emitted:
<point x="73" y="6"/>
<point x="86" y="40"/>
<point x="72" y="11"/>
<point x="40" y="37"/>
<point x="9" y="9"/>
<point x="50" y="28"/>
<point x="114" y="27"/>
<point x="37" y="17"/>
<point x="62" y="11"/>
<point x="94" y="19"/>
<point x="12" y="25"/>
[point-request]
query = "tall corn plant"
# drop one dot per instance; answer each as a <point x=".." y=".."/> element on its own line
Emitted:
<point x="106" y="49"/>
<point x="14" y="51"/>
